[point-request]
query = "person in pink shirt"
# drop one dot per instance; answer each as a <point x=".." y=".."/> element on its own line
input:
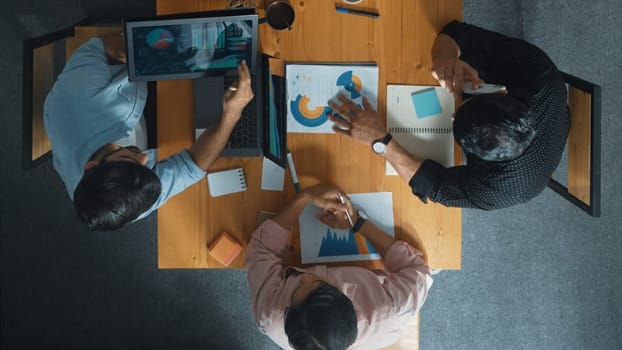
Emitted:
<point x="322" y="307"/>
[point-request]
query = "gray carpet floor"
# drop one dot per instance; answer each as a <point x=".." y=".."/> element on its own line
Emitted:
<point x="538" y="276"/>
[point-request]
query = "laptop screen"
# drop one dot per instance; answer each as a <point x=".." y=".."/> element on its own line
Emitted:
<point x="190" y="46"/>
<point x="275" y="138"/>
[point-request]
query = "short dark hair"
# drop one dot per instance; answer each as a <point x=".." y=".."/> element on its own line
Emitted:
<point x="111" y="194"/>
<point x="493" y="127"/>
<point x="324" y="320"/>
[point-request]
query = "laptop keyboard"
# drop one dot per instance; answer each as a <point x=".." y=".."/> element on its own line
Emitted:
<point x="244" y="134"/>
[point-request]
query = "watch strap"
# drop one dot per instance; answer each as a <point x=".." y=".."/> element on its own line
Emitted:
<point x="358" y="224"/>
<point x="385" y="140"/>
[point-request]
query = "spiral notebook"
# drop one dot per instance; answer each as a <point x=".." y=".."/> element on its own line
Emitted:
<point x="419" y="118"/>
<point x="226" y="182"/>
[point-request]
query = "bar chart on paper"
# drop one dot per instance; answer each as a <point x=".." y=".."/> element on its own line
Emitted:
<point x="320" y="243"/>
<point x="335" y="243"/>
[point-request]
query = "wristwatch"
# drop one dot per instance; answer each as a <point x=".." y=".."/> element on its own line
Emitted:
<point x="380" y="145"/>
<point x="362" y="217"/>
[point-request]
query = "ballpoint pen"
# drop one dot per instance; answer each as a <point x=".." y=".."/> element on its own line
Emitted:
<point x="356" y="12"/>
<point x="343" y="201"/>
<point x="292" y="171"/>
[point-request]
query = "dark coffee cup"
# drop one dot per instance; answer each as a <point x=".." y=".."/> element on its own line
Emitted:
<point x="280" y="14"/>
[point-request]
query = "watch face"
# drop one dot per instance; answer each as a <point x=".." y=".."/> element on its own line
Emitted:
<point x="379" y="147"/>
<point x="362" y="214"/>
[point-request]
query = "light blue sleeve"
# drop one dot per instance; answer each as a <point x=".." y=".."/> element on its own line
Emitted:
<point x="88" y="71"/>
<point x="176" y="173"/>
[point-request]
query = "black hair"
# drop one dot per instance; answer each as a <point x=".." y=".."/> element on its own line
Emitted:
<point x="111" y="194"/>
<point x="325" y="320"/>
<point x="493" y="127"/>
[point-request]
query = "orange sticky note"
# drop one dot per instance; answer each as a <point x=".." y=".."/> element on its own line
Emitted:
<point x="224" y="248"/>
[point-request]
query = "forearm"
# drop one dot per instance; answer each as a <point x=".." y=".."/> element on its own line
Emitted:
<point x="378" y="238"/>
<point x="289" y="216"/>
<point x="115" y="48"/>
<point x="444" y="48"/>
<point x="212" y="141"/>
<point x="404" y="163"/>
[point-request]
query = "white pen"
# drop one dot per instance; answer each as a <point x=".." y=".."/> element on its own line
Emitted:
<point x="343" y="201"/>
<point x="292" y="171"/>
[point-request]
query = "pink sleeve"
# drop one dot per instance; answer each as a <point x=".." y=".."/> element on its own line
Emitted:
<point x="409" y="276"/>
<point x="263" y="261"/>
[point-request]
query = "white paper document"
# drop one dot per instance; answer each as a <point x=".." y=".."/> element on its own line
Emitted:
<point x="311" y="86"/>
<point x="272" y="176"/>
<point x="319" y="243"/>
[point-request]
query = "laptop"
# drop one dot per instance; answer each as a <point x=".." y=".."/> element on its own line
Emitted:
<point x="207" y="47"/>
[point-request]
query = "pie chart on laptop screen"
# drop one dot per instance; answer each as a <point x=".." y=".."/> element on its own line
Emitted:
<point x="159" y="38"/>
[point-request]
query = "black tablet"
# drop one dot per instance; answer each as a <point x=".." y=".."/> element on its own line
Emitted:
<point x="191" y="45"/>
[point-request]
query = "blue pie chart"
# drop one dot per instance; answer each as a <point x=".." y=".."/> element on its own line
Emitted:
<point x="159" y="38"/>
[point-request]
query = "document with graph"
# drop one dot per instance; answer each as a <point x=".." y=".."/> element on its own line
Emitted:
<point x="419" y="117"/>
<point x="319" y="243"/>
<point x="311" y="86"/>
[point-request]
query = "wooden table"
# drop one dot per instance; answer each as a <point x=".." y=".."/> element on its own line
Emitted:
<point x="399" y="42"/>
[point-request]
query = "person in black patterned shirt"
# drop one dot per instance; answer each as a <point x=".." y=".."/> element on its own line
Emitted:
<point x="513" y="141"/>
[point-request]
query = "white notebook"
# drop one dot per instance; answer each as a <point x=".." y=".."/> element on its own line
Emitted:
<point x="419" y="118"/>
<point x="225" y="182"/>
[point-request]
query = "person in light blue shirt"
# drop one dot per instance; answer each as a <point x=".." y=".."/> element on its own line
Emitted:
<point x="93" y="118"/>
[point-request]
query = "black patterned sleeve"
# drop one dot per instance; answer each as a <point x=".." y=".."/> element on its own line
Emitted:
<point x="521" y="66"/>
<point x="482" y="186"/>
<point x="448" y="186"/>
<point x="477" y="45"/>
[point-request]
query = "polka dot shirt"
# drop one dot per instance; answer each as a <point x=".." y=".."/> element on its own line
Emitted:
<point x="531" y="77"/>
